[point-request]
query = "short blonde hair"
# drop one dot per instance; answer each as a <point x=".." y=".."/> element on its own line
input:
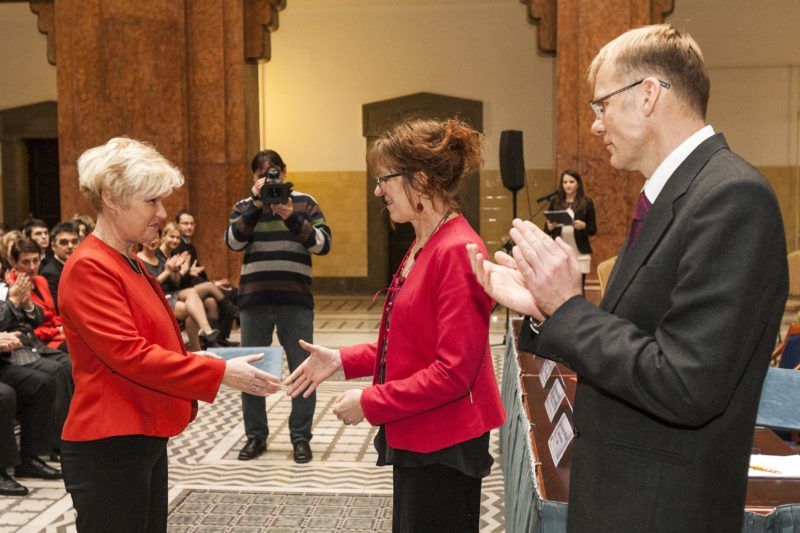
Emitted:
<point x="125" y="168"/>
<point x="662" y="51"/>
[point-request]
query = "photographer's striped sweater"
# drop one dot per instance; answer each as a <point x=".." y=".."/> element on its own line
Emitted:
<point x="277" y="253"/>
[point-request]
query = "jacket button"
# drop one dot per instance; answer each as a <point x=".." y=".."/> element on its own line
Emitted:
<point x="576" y="431"/>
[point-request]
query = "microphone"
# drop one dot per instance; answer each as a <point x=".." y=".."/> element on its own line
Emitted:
<point x="546" y="196"/>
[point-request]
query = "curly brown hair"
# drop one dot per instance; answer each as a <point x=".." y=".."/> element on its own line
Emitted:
<point x="432" y="155"/>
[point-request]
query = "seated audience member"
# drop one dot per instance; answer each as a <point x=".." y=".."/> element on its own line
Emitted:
<point x="84" y="223"/>
<point x="8" y="241"/>
<point x="28" y="395"/>
<point x="186" y="303"/>
<point x="36" y="230"/>
<point x="220" y="309"/>
<point x="19" y="314"/>
<point x="26" y="264"/>
<point x="184" y="220"/>
<point x="63" y="240"/>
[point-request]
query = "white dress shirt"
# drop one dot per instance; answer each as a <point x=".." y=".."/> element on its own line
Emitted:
<point x="655" y="183"/>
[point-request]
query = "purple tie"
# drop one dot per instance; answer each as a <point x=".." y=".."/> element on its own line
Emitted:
<point x="642" y="208"/>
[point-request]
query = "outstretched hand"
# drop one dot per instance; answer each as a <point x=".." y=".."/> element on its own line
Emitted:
<point x="503" y="282"/>
<point x="241" y="375"/>
<point x="321" y="364"/>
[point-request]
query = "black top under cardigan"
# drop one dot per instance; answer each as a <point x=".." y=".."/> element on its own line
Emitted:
<point x="581" y="236"/>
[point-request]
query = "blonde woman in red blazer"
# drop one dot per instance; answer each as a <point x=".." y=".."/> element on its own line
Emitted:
<point x="434" y="392"/>
<point x="135" y="384"/>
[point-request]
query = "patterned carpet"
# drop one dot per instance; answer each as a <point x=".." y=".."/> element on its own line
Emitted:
<point x="341" y="490"/>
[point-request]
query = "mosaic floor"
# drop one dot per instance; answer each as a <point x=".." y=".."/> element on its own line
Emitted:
<point x="341" y="490"/>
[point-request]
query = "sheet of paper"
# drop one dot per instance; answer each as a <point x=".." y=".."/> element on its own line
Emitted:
<point x="560" y="439"/>
<point x="774" y="466"/>
<point x="554" y="399"/>
<point x="546" y="370"/>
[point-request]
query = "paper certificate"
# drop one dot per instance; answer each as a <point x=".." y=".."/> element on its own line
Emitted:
<point x="554" y="398"/>
<point x="560" y="439"/>
<point x="546" y="370"/>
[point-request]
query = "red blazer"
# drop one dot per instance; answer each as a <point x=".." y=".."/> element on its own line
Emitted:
<point x="132" y="373"/>
<point x="48" y="330"/>
<point x="440" y="385"/>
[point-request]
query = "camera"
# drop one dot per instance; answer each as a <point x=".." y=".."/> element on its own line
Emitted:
<point x="274" y="191"/>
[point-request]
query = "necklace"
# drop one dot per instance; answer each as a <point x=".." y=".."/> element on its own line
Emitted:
<point x="132" y="262"/>
<point x="416" y="254"/>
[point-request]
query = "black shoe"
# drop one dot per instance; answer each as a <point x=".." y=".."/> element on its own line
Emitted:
<point x="302" y="451"/>
<point x="35" y="467"/>
<point x="210" y="338"/>
<point x="225" y="343"/>
<point x="9" y="486"/>
<point x="252" y="449"/>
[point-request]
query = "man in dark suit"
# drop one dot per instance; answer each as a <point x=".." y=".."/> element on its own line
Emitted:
<point x="63" y="240"/>
<point x="672" y="363"/>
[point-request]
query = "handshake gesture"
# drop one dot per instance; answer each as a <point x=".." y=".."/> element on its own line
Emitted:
<point x="321" y="364"/>
<point x="538" y="276"/>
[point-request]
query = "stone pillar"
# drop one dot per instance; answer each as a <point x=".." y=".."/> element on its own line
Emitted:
<point x="171" y="73"/>
<point x="584" y="26"/>
<point x="575" y="30"/>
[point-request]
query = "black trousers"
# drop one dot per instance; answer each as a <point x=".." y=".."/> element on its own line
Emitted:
<point x="30" y="391"/>
<point x="435" y="499"/>
<point x="118" y="484"/>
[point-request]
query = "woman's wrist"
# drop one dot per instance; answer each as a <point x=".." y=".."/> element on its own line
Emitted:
<point x="336" y="358"/>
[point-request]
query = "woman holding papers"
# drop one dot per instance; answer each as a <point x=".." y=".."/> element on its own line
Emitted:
<point x="135" y="385"/>
<point x="572" y="199"/>
<point x="434" y="394"/>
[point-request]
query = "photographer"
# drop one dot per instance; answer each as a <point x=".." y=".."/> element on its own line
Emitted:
<point x="278" y="229"/>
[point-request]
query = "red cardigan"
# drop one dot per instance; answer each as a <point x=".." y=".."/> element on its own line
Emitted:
<point x="132" y="373"/>
<point x="440" y="385"/>
<point x="48" y="330"/>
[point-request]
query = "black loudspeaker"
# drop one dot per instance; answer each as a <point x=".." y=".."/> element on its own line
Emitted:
<point x="512" y="163"/>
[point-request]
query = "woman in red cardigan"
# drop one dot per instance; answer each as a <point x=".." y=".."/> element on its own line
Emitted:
<point x="135" y="385"/>
<point x="434" y="393"/>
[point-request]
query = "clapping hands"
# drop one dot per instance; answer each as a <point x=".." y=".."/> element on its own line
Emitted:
<point x="538" y="276"/>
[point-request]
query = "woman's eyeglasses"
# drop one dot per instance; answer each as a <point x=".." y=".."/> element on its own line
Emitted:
<point x="380" y="180"/>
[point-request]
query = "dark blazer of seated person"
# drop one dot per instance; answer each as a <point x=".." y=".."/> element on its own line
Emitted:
<point x="51" y="271"/>
<point x="37" y="355"/>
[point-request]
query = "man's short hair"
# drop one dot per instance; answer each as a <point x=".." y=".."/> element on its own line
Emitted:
<point x="29" y="223"/>
<point x="66" y="226"/>
<point x="180" y="213"/>
<point x="662" y="51"/>
<point x="24" y="246"/>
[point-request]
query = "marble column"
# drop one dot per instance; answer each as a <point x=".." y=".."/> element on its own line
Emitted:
<point x="174" y="74"/>
<point x="583" y="27"/>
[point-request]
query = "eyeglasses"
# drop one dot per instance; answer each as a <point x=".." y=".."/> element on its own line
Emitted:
<point x="64" y="242"/>
<point x="383" y="179"/>
<point x="597" y="104"/>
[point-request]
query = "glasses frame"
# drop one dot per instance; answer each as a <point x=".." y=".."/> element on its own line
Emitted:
<point x="599" y="110"/>
<point x="380" y="180"/>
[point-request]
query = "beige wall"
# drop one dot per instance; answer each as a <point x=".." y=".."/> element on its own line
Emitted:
<point x="330" y="58"/>
<point x="753" y="53"/>
<point x="341" y="197"/>
<point x="25" y="75"/>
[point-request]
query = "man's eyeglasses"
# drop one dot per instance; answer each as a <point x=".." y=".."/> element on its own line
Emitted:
<point x="598" y="106"/>
<point x="383" y="179"/>
<point x="64" y="242"/>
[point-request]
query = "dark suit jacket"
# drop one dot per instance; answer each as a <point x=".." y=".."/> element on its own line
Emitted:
<point x="581" y="236"/>
<point x="52" y="273"/>
<point x="672" y="362"/>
